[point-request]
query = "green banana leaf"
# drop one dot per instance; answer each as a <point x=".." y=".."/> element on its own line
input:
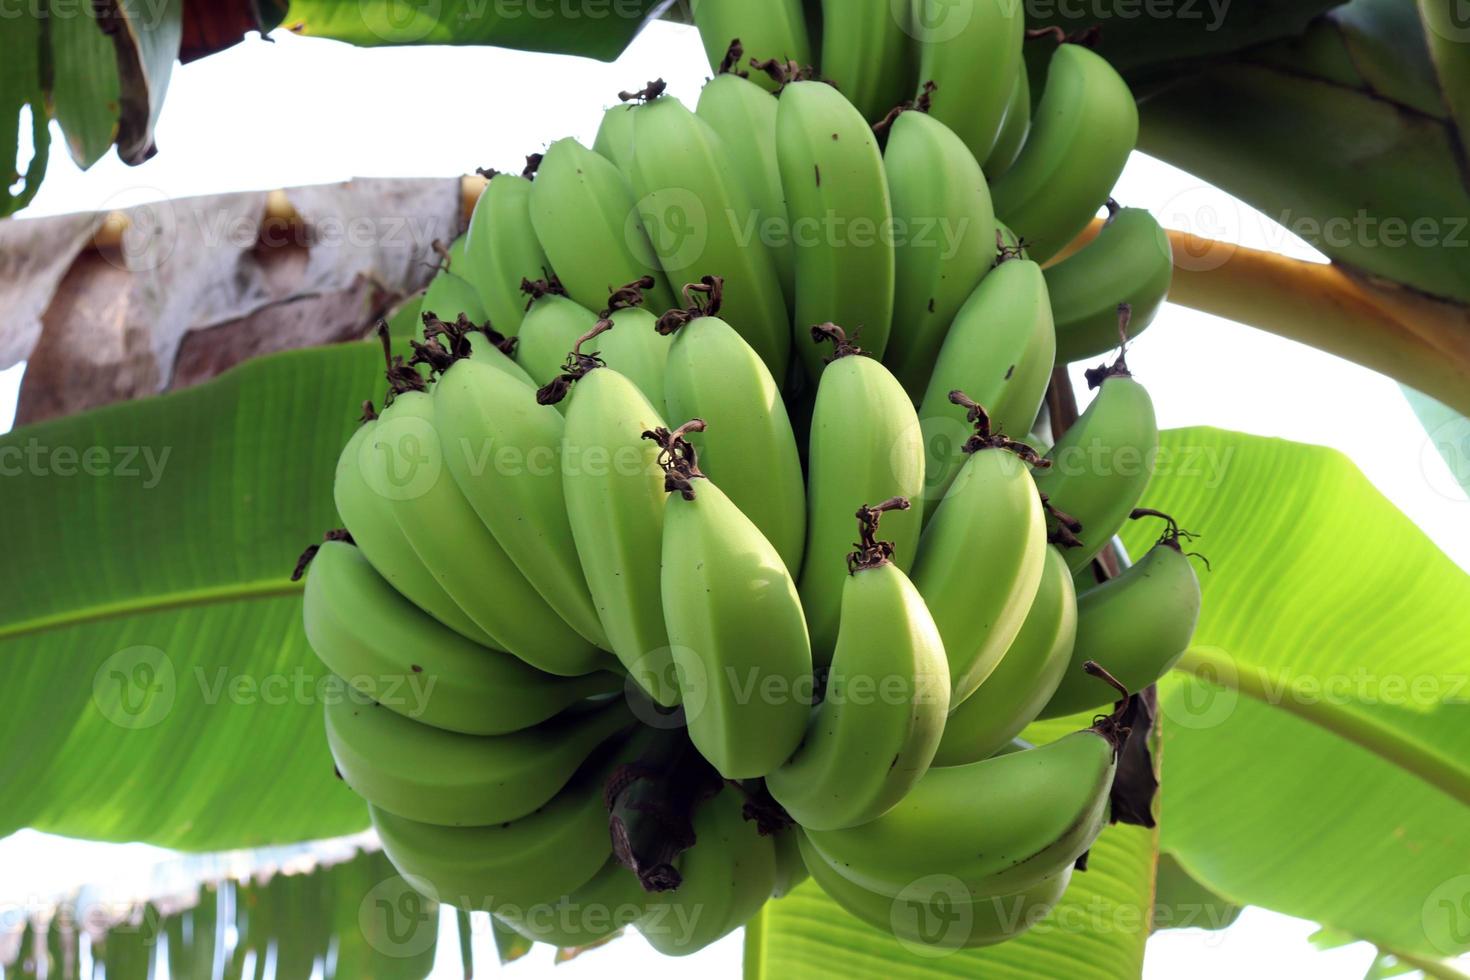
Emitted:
<point x="158" y="683"/>
<point x="85" y="86"/>
<point x="1181" y="902"/>
<point x="21" y="96"/>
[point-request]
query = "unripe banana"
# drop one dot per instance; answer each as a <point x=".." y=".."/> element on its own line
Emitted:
<point x="996" y="827"/>
<point x="1085" y="126"/>
<point x="728" y="875"/>
<point x="450" y="294"/>
<point x="1000" y="351"/>
<point x="637" y="351"/>
<point x="504" y="451"/>
<point x="615" y="504"/>
<point x="790" y="866"/>
<point x="459" y="549"/>
<point x="841" y="218"/>
<point x="1136" y="626"/>
<point x="448" y="341"/>
<point x="614" y="139"/>
<point x="867" y="53"/>
<point x="887" y="696"/>
<point x="502" y="251"/>
<point x="1025" y="679"/>
<point x="586" y="217"/>
<point x="942" y="205"/>
<point x="369" y="517"/>
<point x="940" y="922"/>
<point x="453" y="780"/>
<point x="385" y="647"/>
<point x="1129" y="263"/>
<point x="1102" y="465"/>
<point x="734" y="622"/>
<point x="866" y="445"/>
<point x="592" y="912"/>
<point x="744" y="116"/>
<point x="971" y="50"/>
<point x="1013" y="130"/>
<point x="766" y="30"/>
<point x="988" y="528"/>
<point x="749" y="448"/>
<point x="703" y="220"/>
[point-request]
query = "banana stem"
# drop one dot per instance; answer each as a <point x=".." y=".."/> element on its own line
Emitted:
<point x="1361" y="730"/>
<point x="1414" y="338"/>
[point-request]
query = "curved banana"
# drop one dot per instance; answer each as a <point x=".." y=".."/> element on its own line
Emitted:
<point x="790" y="866"/>
<point x="841" y="219"/>
<point x="615" y="503"/>
<point x="868" y="54"/>
<point x="587" y="219"/>
<point x="1085" y="126"/>
<point x="449" y="295"/>
<point x="1129" y="263"/>
<point x="502" y="251"/>
<point x="614" y="140"/>
<point x="1135" y="626"/>
<point x="452" y="780"/>
<point x="552" y="326"/>
<point x="996" y="827"/>
<point x="1013" y="130"/>
<point x="940" y="921"/>
<point x="744" y="116"/>
<point x="734" y="622"/>
<point x="637" y="351"/>
<point x="1025" y="679"/>
<point x="749" y="448"/>
<point x="383" y="646"/>
<point x="989" y="529"/>
<point x="1101" y="466"/>
<point x="866" y="445"/>
<point x="766" y="30"/>
<point x="459" y="549"/>
<point x="369" y="517"/>
<point x="887" y="696"/>
<point x="971" y="50"/>
<point x="728" y="875"/>
<point x="504" y="451"/>
<point x="945" y="239"/>
<point x="702" y="220"/>
<point x="1000" y="351"/>
<point x="585" y="916"/>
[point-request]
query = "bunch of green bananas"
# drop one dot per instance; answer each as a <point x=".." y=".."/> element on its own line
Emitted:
<point x="612" y="654"/>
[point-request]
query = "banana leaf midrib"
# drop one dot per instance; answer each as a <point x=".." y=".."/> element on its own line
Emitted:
<point x="143" y="605"/>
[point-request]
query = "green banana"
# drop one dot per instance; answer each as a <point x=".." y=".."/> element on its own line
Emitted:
<point x="1101" y="466"/>
<point x="866" y="445"/>
<point x="1014" y="130"/>
<point x="1025" y="679"/>
<point x="999" y="351"/>
<point x="990" y="529"/>
<point x="638" y="351"/>
<point x="448" y="341"/>
<point x="1084" y="128"/>
<point x="450" y="294"/>
<point x="734" y="622"/>
<point x="503" y="251"/>
<point x="867" y="53"/>
<point x="790" y="867"/>
<point x="552" y="326"/>
<point x="703" y="220"/>
<point x="504" y="451"/>
<point x="744" y="116"/>
<point x="453" y="780"/>
<point x="1129" y="263"/>
<point x="995" y="827"/>
<point x="971" y="50"/>
<point x="459" y="549"/>
<point x="841" y="218"/>
<point x="586" y="217"/>
<point x="585" y="916"/>
<point x="728" y="875"/>
<point x="615" y="504"/>
<point x="939" y="921"/>
<point x="1135" y="626"/>
<point x="614" y="140"/>
<point x="369" y="518"/>
<point x="386" y="648"/>
<point x="749" y="449"/>
<point x="887" y="696"/>
<point x="945" y="242"/>
<point x="766" y="29"/>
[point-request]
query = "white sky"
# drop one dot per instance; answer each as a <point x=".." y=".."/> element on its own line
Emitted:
<point x="299" y="112"/>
